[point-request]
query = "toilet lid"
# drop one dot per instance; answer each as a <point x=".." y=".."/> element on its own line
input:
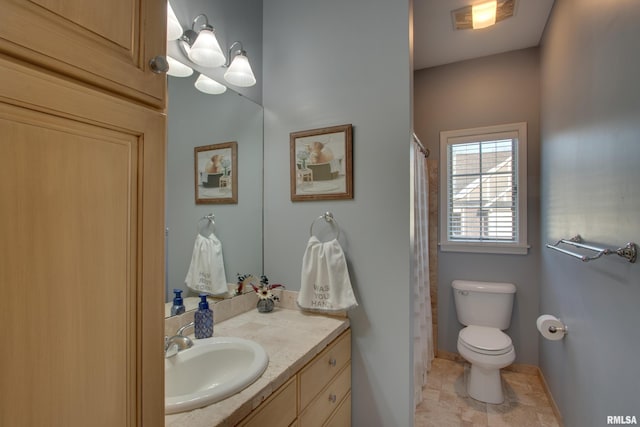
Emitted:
<point x="485" y="340"/>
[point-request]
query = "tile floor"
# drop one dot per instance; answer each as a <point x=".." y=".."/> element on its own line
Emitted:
<point x="446" y="403"/>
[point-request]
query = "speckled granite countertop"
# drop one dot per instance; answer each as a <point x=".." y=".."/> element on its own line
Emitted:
<point x="290" y="337"/>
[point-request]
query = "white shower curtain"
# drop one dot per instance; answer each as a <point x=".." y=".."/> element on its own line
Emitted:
<point x="423" y="331"/>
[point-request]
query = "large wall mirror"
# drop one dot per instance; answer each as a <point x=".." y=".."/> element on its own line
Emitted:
<point x="196" y="119"/>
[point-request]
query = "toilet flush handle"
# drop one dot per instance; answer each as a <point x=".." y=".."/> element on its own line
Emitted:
<point x="465" y="293"/>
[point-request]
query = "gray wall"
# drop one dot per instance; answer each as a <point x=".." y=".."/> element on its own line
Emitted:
<point x="492" y="90"/>
<point x="591" y="186"/>
<point x="197" y="119"/>
<point x="330" y="63"/>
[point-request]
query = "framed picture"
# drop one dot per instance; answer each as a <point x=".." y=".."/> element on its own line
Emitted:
<point x="321" y="163"/>
<point x="216" y="173"/>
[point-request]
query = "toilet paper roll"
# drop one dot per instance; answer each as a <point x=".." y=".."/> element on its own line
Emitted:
<point x="547" y="323"/>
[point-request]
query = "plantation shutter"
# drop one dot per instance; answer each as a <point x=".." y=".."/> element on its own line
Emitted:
<point x="482" y="183"/>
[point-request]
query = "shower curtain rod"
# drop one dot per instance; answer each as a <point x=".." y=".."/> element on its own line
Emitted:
<point x="424" y="150"/>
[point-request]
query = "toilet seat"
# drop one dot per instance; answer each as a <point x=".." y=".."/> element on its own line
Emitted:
<point x="485" y="340"/>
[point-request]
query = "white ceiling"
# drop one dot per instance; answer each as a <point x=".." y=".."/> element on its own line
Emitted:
<point x="437" y="43"/>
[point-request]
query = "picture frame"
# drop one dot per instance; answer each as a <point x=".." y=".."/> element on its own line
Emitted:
<point x="322" y="163"/>
<point x="216" y="173"/>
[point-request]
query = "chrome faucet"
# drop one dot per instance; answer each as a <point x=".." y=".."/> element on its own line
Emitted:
<point x="175" y="344"/>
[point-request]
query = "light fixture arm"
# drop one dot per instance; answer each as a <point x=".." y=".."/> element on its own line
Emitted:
<point x="229" y="51"/>
<point x="204" y="26"/>
<point x="189" y="36"/>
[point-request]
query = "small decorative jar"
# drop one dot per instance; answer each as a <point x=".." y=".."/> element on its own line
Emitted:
<point x="265" y="305"/>
<point x="262" y="288"/>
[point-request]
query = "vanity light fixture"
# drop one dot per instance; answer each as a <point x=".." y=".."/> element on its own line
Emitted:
<point x="482" y="15"/>
<point x="177" y="68"/>
<point x="174" y="29"/>
<point x="202" y="48"/>
<point x="208" y="85"/>
<point x="239" y="72"/>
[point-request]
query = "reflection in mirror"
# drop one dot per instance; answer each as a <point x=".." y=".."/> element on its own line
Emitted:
<point x="196" y="119"/>
<point x="233" y="21"/>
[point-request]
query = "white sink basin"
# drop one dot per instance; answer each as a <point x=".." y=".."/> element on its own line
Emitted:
<point x="212" y="370"/>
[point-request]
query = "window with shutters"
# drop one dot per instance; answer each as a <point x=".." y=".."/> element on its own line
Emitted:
<point x="483" y="186"/>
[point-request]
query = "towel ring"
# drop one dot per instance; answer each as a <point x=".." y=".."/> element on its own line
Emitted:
<point x="208" y="218"/>
<point x="327" y="216"/>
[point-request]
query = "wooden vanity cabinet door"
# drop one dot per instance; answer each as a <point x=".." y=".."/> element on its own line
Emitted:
<point x="278" y="410"/>
<point x="81" y="255"/>
<point x="106" y="43"/>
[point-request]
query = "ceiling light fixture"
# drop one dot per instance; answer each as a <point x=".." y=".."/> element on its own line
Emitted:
<point x="465" y="18"/>
<point x="484" y="15"/>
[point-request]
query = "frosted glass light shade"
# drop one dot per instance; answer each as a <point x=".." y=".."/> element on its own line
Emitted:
<point x="174" y="29"/>
<point x="178" y="69"/>
<point x="484" y="15"/>
<point x="206" y="50"/>
<point x="210" y="86"/>
<point x="239" y="72"/>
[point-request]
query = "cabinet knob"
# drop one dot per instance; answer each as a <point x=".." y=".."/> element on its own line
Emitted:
<point x="332" y="398"/>
<point x="159" y="64"/>
<point x="332" y="361"/>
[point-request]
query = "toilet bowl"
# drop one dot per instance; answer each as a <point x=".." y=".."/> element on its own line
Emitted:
<point x="487" y="350"/>
<point x="485" y="309"/>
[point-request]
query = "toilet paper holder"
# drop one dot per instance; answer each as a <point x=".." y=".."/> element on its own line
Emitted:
<point x="551" y="328"/>
<point x="556" y="329"/>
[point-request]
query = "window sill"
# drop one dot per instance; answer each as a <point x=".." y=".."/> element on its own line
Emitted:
<point x="485" y="248"/>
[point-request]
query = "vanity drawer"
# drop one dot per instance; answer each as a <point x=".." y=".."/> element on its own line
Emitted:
<point x="329" y="399"/>
<point x="278" y="410"/>
<point x="324" y="367"/>
<point x="342" y="416"/>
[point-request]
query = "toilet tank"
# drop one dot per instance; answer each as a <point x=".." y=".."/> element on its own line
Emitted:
<point x="484" y="303"/>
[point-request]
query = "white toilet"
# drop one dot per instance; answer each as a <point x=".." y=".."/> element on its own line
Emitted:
<point x="485" y="309"/>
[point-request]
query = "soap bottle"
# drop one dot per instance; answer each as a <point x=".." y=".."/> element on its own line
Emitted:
<point x="178" y="304"/>
<point x="203" y="318"/>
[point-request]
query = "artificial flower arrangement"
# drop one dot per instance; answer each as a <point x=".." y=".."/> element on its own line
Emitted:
<point x="262" y="288"/>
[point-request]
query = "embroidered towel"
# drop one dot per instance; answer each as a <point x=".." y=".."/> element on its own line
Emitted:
<point x="325" y="284"/>
<point x="206" y="272"/>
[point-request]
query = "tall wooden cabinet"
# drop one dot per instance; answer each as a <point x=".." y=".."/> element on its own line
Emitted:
<point x="82" y="161"/>
<point x="107" y="44"/>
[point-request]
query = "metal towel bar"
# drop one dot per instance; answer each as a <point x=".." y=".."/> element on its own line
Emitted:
<point x="629" y="251"/>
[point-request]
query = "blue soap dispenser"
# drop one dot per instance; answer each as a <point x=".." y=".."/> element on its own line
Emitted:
<point x="203" y="319"/>
<point x="178" y="304"/>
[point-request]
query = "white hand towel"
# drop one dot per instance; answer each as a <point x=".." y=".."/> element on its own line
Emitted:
<point x="334" y="165"/>
<point x="206" y="272"/>
<point x="325" y="284"/>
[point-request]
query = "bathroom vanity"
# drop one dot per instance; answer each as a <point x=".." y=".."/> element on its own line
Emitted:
<point x="308" y="379"/>
<point x="318" y="395"/>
